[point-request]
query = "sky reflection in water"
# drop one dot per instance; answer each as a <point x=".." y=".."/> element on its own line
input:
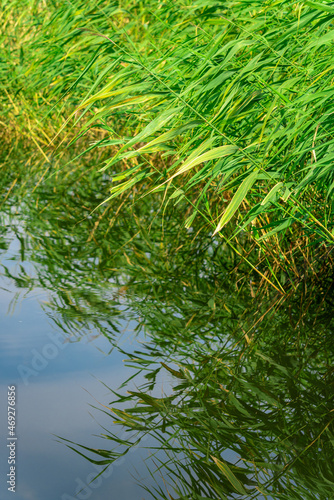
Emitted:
<point x="255" y="405"/>
<point x="56" y="381"/>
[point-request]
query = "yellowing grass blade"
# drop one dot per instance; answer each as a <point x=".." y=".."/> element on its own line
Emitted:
<point x="272" y="193"/>
<point x="239" y="196"/>
<point x="213" y="154"/>
<point x="230" y="476"/>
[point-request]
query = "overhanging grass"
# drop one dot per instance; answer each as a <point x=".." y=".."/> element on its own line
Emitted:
<point x="226" y="107"/>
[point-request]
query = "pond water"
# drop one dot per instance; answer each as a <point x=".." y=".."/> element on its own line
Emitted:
<point x="59" y="348"/>
<point x="230" y="406"/>
<point x="57" y="369"/>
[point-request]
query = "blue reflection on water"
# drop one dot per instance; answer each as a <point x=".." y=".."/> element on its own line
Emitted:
<point x="56" y="381"/>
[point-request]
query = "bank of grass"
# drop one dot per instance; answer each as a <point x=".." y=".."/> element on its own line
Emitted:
<point x="225" y="107"/>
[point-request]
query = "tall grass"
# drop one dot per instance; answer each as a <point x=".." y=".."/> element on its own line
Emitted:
<point x="225" y="107"/>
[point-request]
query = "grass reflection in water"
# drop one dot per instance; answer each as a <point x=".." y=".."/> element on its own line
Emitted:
<point x="249" y="409"/>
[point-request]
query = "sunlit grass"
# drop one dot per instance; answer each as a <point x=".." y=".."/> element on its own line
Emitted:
<point x="226" y="108"/>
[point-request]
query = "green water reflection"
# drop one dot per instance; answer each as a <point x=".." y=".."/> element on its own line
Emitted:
<point x="249" y="411"/>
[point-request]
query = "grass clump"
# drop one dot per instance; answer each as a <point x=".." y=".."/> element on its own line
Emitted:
<point x="239" y="95"/>
<point x="234" y="97"/>
<point x="227" y="108"/>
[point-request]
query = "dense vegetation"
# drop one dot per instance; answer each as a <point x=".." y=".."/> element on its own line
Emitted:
<point x="234" y="98"/>
<point x="211" y="125"/>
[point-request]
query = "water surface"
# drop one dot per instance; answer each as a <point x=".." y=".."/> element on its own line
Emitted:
<point x="233" y="396"/>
